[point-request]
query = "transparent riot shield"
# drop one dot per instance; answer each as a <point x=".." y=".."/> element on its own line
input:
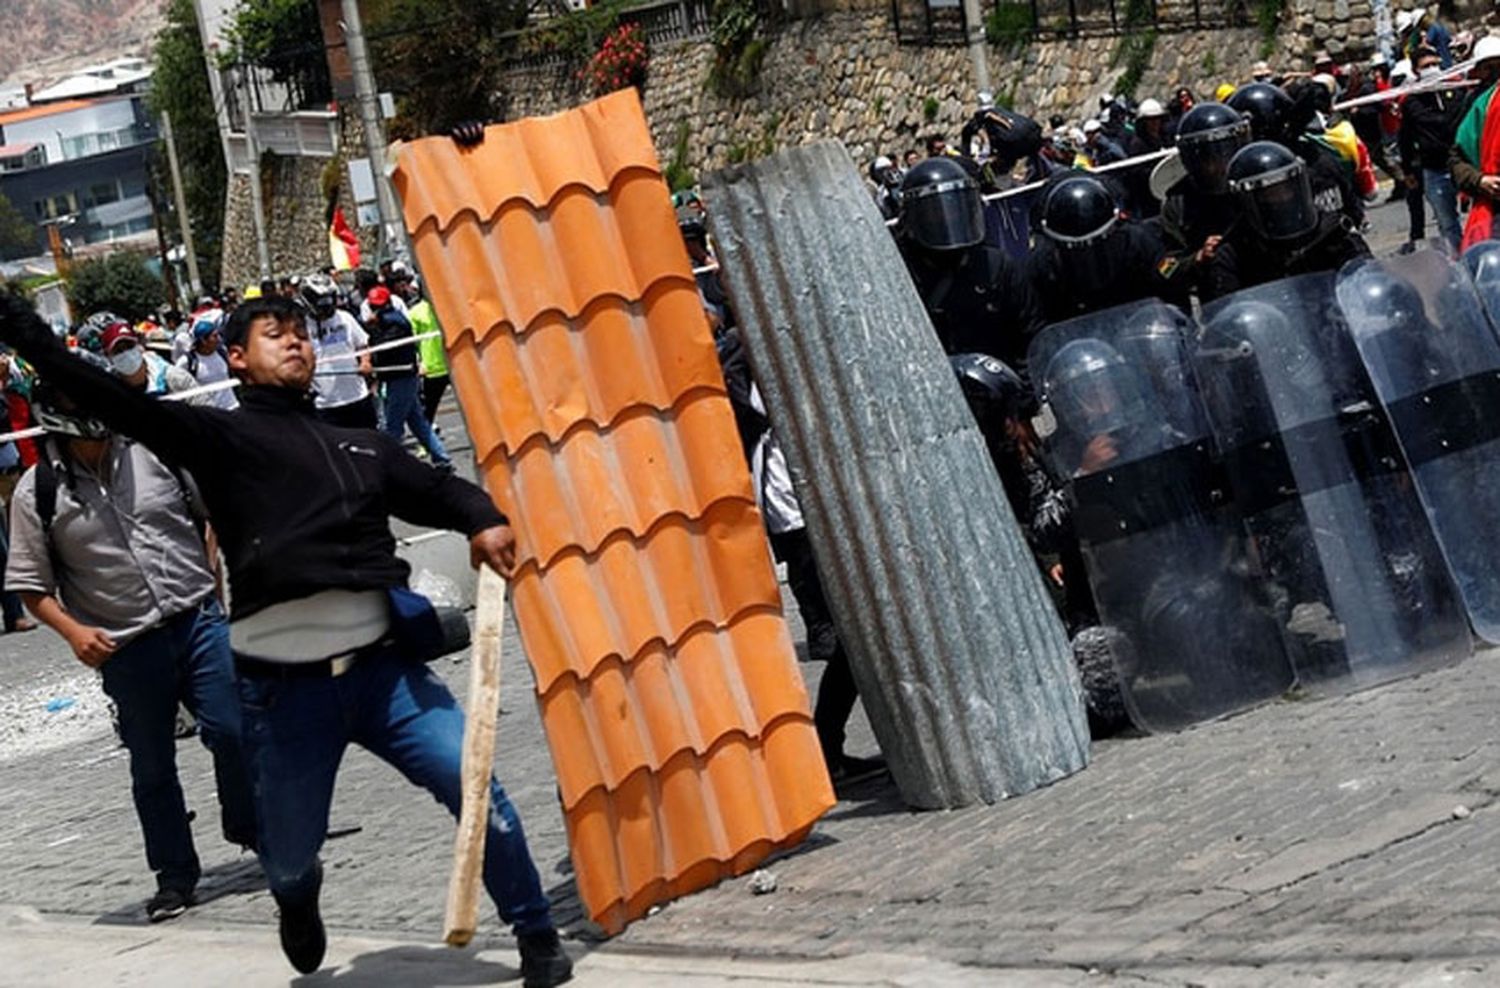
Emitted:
<point x="1359" y="584"/>
<point x="1166" y="552"/>
<point x="1435" y="362"/>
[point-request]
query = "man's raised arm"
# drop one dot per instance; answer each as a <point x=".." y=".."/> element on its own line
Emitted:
<point x="173" y="430"/>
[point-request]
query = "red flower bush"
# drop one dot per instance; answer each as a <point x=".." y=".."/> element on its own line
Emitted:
<point x="621" y="61"/>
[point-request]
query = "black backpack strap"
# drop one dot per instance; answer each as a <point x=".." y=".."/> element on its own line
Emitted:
<point x="46" y="491"/>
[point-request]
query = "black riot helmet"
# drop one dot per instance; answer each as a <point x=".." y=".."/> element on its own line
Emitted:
<point x="1207" y="137"/>
<point x="1078" y="211"/>
<point x="1267" y="107"/>
<point x="1274" y="191"/>
<point x="1483" y="262"/>
<point x="940" y="205"/>
<point x="992" y="389"/>
<point x="1093" y="390"/>
<point x="1078" y="215"/>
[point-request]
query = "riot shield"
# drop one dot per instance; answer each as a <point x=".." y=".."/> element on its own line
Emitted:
<point x="1422" y="334"/>
<point x="1359" y="584"/>
<point x="1165" y="550"/>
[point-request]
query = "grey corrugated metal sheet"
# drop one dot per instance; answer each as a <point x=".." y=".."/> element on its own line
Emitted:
<point x="961" y="662"/>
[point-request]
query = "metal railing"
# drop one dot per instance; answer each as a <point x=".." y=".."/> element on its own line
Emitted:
<point x="942" y="22"/>
<point x="662" y="22"/>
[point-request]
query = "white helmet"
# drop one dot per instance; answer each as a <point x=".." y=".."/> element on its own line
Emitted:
<point x="1488" y="47"/>
<point x="1402" y="70"/>
<point x="1150" y="108"/>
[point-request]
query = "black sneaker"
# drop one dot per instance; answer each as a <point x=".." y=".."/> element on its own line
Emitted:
<point x="846" y="770"/>
<point x="303" y="939"/>
<point x="544" y="963"/>
<point x="168" y="904"/>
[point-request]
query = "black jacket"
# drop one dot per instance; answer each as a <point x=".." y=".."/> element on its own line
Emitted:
<point x="1429" y="122"/>
<point x="1136" y="265"/>
<point x="388" y="326"/>
<point x="1246" y="259"/>
<point x="299" y="505"/>
<point x="978" y="299"/>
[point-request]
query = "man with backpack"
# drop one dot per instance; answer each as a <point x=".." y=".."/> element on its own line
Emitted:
<point x="206" y="360"/>
<point x="108" y="551"/>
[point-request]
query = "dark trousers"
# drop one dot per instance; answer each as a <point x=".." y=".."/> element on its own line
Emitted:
<point x="296" y="730"/>
<point x="1416" y="208"/>
<point x="837" y="692"/>
<point x="356" y="415"/>
<point x="433" y="389"/>
<point x="184" y="659"/>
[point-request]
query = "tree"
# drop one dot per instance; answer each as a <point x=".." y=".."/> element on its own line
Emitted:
<point x="120" y="283"/>
<point x="17" y="235"/>
<point x="180" y="88"/>
<point x="284" y="37"/>
<point x="442" y="59"/>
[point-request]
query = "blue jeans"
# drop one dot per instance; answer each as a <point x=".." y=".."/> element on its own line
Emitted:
<point x="403" y="409"/>
<point x="296" y="730"/>
<point x="184" y="659"/>
<point x="1443" y="195"/>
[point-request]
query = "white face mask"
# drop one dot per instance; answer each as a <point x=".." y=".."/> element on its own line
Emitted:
<point x="127" y="362"/>
<point x="1431" y="72"/>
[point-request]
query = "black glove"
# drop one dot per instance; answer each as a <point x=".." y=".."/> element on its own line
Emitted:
<point x="21" y="327"/>
<point x="468" y="133"/>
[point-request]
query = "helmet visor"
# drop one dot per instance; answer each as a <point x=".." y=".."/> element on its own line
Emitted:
<point x="1206" y="156"/>
<point x="943" y="216"/>
<point x="1280" y="205"/>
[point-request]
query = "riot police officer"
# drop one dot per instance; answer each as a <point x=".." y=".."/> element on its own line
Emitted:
<point x="1280" y="232"/>
<point x="976" y="295"/>
<point x="1199" y="208"/>
<point x="1276" y="116"/>
<point x="1086" y="255"/>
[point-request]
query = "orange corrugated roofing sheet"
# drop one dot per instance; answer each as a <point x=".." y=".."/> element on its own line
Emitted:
<point x="645" y="593"/>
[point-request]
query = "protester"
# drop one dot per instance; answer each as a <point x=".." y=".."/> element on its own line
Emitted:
<point x="1429" y="124"/>
<point x="396" y="368"/>
<point x="206" y="362"/>
<point x="354" y="674"/>
<point x="140" y="368"/>
<point x="343" y="397"/>
<point x="15" y="456"/>
<point x="106" y="551"/>
<point x="1474" y="162"/>
<point x="430" y="353"/>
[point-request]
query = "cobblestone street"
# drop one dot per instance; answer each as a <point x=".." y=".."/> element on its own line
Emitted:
<point x="1343" y="840"/>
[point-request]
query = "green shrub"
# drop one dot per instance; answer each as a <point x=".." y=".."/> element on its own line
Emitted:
<point x="1009" y="25"/>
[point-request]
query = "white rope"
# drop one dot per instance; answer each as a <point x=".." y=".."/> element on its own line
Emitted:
<point x="1444" y="80"/>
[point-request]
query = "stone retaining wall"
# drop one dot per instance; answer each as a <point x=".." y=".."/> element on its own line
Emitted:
<point x="844" y="75"/>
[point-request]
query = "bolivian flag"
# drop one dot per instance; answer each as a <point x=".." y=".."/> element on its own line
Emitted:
<point x="1478" y="141"/>
<point x="343" y="245"/>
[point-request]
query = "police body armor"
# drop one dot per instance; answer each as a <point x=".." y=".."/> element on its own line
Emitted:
<point x="1362" y="593"/>
<point x="1435" y="362"/>
<point x="1166" y="551"/>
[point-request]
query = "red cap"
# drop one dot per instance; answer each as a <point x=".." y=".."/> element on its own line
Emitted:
<point x="115" y="333"/>
<point x="378" y="296"/>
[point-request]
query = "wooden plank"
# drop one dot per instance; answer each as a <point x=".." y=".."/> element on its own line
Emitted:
<point x="479" y="757"/>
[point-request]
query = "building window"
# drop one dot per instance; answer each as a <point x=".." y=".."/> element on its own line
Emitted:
<point x="104" y="193"/>
<point x="51" y="208"/>
<point x="139" y="225"/>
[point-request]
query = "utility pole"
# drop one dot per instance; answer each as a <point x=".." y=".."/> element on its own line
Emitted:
<point x="252" y="149"/>
<point x="195" y="286"/>
<point x="392" y="241"/>
<point x="978" y="50"/>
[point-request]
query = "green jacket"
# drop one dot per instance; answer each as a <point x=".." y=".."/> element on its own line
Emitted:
<point x="430" y="351"/>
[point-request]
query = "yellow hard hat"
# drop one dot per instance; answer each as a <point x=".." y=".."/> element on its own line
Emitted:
<point x="1225" y="90"/>
<point x="251" y="291"/>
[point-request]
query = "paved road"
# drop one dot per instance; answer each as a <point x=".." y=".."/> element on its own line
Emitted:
<point x="1344" y="840"/>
